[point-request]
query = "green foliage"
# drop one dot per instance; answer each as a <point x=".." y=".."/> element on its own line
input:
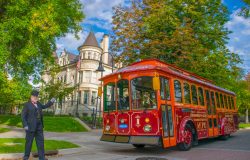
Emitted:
<point x="245" y="10"/>
<point x="52" y="124"/>
<point x="16" y="145"/>
<point x="55" y="88"/>
<point x="242" y="89"/>
<point x="244" y="125"/>
<point x="28" y="31"/>
<point x="13" y="92"/>
<point x="190" y="34"/>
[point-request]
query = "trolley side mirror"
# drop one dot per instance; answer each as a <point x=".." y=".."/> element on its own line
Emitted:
<point x="156" y="83"/>
<point x="99" y="91"/>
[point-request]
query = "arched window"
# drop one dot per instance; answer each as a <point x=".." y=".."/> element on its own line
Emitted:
<point x="187" y="96"/>
<point x="194" y="95"/>
<point x="201" y="96"/>
<point x="177" y="89"/>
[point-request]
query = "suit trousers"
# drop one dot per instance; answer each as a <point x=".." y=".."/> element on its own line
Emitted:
<point x="38" y="135"/>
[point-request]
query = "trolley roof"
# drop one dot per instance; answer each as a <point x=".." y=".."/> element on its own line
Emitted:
<point x="154" y="64"/>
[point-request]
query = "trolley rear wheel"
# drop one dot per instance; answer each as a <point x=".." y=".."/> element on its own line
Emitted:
<point x="139" y="145"/>
<point x="225" y="137"/>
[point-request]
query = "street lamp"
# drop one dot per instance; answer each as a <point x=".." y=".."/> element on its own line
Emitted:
<point x="100" y="69"/>
<point x="78" y="96"/>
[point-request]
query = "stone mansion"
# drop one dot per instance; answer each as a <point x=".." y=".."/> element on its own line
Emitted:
<point x="82" y="72"/>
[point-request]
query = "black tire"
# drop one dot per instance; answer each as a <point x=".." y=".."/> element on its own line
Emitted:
<point x="185" y="146"/>
<point x="225" y="137"/>
<point x="139" y="145"/>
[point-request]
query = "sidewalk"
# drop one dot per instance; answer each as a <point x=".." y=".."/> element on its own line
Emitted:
<point x="74" y="137"/>
<point x="62" y="152"/>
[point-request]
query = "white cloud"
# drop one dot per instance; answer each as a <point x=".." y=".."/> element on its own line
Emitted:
<point x="99" y="35"/>
<point x="240" y="38"/>
<point x="99" y="14"/>
<point x="70" y="43"/>
<point x="100" y="9"/>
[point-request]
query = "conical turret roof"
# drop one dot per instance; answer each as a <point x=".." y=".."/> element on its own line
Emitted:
<point x="90" y="40"/>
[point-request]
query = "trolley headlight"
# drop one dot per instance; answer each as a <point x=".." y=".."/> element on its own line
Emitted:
<point x="107" y="128"/>
<point x="147" y="120"/>
<point x="147" y="128"/>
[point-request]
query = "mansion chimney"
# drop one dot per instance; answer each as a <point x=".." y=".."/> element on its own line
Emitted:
<point x="105" y="47"/>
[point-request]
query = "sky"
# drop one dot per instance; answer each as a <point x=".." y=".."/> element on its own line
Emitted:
<point x="99" y="17"/>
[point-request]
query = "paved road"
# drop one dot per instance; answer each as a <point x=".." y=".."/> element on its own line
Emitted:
<point x="237" y="147"/>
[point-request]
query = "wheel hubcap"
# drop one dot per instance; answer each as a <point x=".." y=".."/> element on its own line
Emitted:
<point x="187" y="136"/>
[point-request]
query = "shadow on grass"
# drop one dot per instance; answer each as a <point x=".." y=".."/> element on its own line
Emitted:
<point x="11" y="120"/>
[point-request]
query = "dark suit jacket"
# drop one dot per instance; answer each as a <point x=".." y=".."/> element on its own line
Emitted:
<point x="29" y="115"/>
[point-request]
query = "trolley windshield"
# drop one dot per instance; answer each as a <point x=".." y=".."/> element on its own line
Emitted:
<point x="142" y="93"/>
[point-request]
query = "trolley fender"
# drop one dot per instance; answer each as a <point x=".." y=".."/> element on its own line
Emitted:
<point x="183" y="123"/>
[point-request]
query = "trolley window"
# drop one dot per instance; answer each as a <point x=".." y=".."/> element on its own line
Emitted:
<point x="226" y="102"/>
<point x="109" y="97"/>
<point x="221" y="101"/>
<point x="217" y="100"/>
<point x="123" y="94"/>
<point x="213" y="102"/>
<point x="143" y="94"/>
<point x="177" y="91"/>
<point x="165" y="91"/>
<point x="194" y="95"/>
<point x="201" y="96"/>
<point x="209" y="109"/>
<point x="187" y="96"/>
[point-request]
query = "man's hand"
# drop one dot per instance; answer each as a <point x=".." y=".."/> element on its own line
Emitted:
<point x="26" y="128"/>
<point x="52" y="100"/>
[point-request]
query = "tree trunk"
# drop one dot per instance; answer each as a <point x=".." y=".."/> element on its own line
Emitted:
<point x="247" y="121"/>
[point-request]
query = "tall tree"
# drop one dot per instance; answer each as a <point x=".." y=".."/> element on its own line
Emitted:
<point x="242" y="89"/>
<point x="13" y="94"/>
<point x="28" y="31"/>
<point x="56" y="88"/>
<point x="245" y="10"/>
<point x="190" y="34"/>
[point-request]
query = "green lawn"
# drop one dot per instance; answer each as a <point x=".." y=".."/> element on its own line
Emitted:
<point x="11" y="120"/>
<point x="16" y="145"/>
<point x="53" y="124"/>
<point x="2" y="130"/>
<point x="244" y="125"/>
<point x="62" y="124"/>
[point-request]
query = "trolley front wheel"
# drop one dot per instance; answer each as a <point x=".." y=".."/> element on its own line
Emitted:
<point x="139" y="145"/>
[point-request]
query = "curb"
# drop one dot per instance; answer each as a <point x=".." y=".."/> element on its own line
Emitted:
<point x="83" y="124"/>
<point x="61" y="152"/>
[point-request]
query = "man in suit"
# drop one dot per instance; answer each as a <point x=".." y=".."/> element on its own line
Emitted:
<point x="32" y="119"/>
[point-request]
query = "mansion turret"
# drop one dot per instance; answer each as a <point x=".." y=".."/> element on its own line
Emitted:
<point x="83" y="73"/>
